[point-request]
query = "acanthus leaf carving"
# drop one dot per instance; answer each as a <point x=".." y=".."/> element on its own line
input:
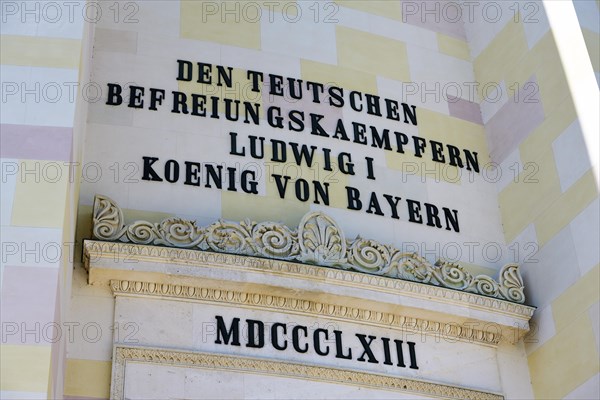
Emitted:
<point x="108" y="222"/>
<point x="142" y="232"/>
<point x="369" y="256"/>
<point x="227" y="237"/>
<point x="276" y="241"/>
<point x="180" y="232"/>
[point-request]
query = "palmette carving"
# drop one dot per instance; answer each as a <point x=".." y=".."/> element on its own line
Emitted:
<point x="318" y="240"/>
<point x="321" y="241"/>
<point x="511" y="283"/>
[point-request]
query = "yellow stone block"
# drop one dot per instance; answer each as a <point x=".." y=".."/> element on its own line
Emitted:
<point x="424" y="167"/>
<point x="131" y="215"/>
<point x="386" y="8"/>
<point x="553" y="219"/>
<point x="537" y="187"/>
<point x="592" y="42"/>
<point x="236" y="206"/>
<point x="508" y="58"/>
<point x="336" y="180"/>
<point x="25" y="368"/>
<point x="230" y="29"/>
<point x="38" y="51"/>
<point x="83" y="230"/>
<point x="88" y="378"/>
<point x="565" y="361"/>
<point x="289" y="209"/>
<point x="540" y="140"/>
<point x="241" y="90"/>
<point x="453" y="47"/>
<point x="41" y="194"/>
<point x="370" y="53"/>
<point x="577" y="299"/>
<point x="346" y="78"/>
<point x="68" y="232"/>
<point x="447" y="130"/>
<point x="451" y="130"/>
<point x="544" y="61"/>
<point x="475" y="269"/>
<point x="518" y="71"/>
<point x="455" y="131"/>
<point x="507" y="47"/>
<point x="289" y="7"/>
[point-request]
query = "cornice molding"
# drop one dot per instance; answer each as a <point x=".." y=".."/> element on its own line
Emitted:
<point x="97" y="253"/>
<point x="289" y="305"/>
<point x="123" y="355"/>
<point x="318" y="240"/>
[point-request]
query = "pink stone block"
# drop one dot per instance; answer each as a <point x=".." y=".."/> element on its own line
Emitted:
<point x="35" y="142"/>
<point x="437" y="16"/>
<point x="514" y="121"/>
<point x="29" y="300"/>
<point x="464" y="109"/>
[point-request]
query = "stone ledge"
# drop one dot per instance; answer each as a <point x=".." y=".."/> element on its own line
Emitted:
<point x="199" y="275"/>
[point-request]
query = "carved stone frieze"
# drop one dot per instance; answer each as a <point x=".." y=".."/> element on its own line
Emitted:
<point x="451" y="332"/>
<point x="317" y="240"/>
<point x="124" y="355"/>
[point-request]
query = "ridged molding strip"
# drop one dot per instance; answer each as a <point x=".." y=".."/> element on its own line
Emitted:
<point x="124" y="355"/>
<point x="290" y="305"/>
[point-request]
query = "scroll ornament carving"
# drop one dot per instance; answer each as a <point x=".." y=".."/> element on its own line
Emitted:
<point x="317" y="240"/>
